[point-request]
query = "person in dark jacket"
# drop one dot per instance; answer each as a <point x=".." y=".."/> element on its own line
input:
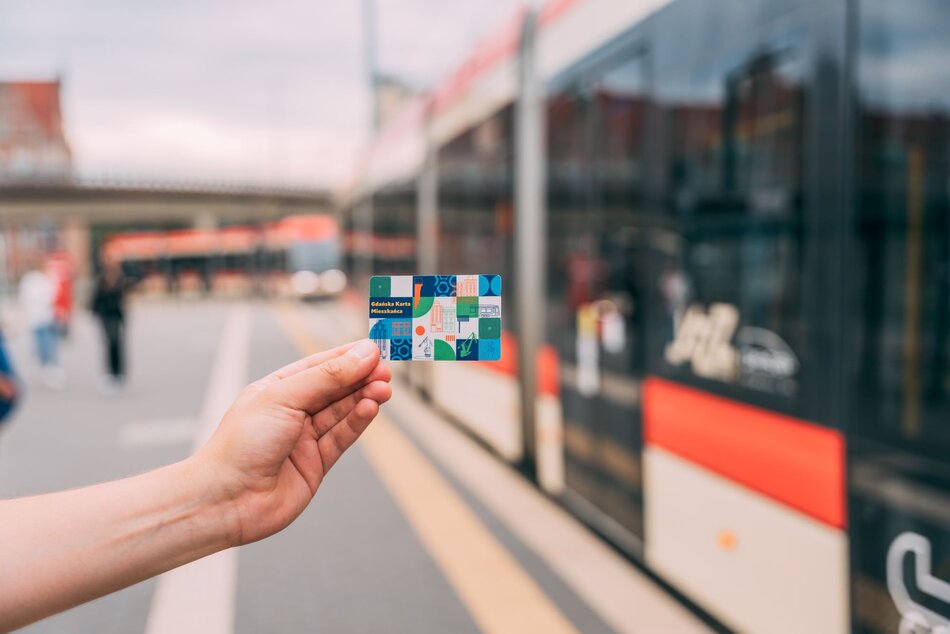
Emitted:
<point x="108" y="305"/>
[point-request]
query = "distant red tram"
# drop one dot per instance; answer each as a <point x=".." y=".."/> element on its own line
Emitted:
<point x="298" y="256"/>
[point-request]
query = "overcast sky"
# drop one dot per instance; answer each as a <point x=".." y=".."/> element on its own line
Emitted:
<point x="272" y="92"/>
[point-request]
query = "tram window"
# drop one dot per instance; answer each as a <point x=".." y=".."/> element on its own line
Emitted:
<point x="476" y="208"/>
<point x="394" y="230"/>
<point x="595" y="181"/>
<point x="903" y="203"/>
<point x="618" y="157"/>
<point x="596" y="267"/>
<point x="734" y="194"/>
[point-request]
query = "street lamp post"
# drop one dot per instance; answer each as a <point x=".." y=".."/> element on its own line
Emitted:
<point x="364" y="208"/>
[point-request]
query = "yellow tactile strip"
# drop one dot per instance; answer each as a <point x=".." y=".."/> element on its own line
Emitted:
<point x="497" y="592"/>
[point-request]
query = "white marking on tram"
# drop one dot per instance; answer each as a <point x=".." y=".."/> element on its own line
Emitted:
<point x="199" y="597"/>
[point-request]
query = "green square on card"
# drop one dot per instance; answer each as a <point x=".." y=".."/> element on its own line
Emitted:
<point x="380" y="286"/>
<point x="489" y="328"/>
<point x="466" y="306"/>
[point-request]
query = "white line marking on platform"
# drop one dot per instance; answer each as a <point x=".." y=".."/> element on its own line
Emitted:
<point x="157" y="433"/>
<point x="199" y="597"/>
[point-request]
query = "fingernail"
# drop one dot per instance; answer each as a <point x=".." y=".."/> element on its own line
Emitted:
<point x="364" y="349"/>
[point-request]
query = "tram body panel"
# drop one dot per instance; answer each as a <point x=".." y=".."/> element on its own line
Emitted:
<point x="484" y="397"/>
<point x="481" y="86"/>
<point x="483" y="400"/>
<point x="757" y="565"/>
<point x="569" y="31"/>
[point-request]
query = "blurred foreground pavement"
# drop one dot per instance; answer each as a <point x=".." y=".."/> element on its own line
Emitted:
<point x="401" y="538"/>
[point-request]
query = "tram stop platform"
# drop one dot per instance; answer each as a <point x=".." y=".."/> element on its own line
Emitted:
<point x="418" y="528"/>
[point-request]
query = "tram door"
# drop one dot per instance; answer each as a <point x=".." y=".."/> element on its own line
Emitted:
<point x="597" y="285"/>
<point x="900" y="416"/>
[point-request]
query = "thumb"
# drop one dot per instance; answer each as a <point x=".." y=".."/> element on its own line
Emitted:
<point x="313" y="389"/>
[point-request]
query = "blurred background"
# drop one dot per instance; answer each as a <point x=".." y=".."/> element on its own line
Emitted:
<point x="724" y="232"/>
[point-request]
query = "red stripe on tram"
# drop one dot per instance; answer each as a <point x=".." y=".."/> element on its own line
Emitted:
<point x="792" y="461"/>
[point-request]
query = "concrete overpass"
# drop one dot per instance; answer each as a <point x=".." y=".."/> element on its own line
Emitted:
<point x="103" y="202"/>
<point x="72" y="208"/>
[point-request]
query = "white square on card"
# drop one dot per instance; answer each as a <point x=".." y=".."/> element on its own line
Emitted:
<point x="401" y="286"/>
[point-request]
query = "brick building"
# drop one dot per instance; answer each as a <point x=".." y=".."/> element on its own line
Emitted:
<point x="33" y="145"/>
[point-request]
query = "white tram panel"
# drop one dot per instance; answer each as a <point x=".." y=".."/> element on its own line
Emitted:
<point x="399" y="151"/>
<point x="755" y="564"/>
<point x="471" y="94"/>
<point x="476" y="90"/>
<point x="395" y="155"/>
<point x="583" y="26"/>
<point x="460" y="388"/>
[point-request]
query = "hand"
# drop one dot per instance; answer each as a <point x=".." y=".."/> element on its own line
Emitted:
<point x="282" y="435"/>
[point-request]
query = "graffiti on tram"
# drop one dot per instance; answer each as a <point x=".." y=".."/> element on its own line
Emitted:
<point x="715" y="346"/>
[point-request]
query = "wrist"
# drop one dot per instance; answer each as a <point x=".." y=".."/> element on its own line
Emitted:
<point x="216" y="503"/>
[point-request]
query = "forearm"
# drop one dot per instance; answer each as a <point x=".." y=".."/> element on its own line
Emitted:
<point x="62" y="549"/>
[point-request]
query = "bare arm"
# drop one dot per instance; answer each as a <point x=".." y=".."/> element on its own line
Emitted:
<point x="255" y="476"/>
<point x="62" y="549"/>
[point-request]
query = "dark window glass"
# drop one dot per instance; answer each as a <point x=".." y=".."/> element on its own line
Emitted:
<point x="900" y="423"/>
<point x="904" y="205"/>
<point x="360" y="260"/>
<point x="596" y="267"/>
<point x="379" y="234"/>
<point x="476" y="207"/>
<point x="394" y="230"/>
<point x="347" y="228"/>
<point x="731" y="293"/>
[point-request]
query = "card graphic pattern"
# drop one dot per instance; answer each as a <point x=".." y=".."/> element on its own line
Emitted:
<point x="436" y="317"/>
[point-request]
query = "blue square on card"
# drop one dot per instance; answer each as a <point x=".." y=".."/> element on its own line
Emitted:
<point x="444" y="285"/>
<point x="400" y="350"/>
<point x="489" y="349"/>
<point x="489" y="285"/>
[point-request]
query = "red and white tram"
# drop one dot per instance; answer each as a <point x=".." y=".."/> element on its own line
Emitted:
<point x="725" y="231"/>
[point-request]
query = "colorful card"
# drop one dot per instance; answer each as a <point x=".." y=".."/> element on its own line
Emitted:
<point x="436" y="317"/>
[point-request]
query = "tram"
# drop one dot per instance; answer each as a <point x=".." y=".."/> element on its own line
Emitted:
<point x="725" y="231"/>
<point x="298" y="256"/>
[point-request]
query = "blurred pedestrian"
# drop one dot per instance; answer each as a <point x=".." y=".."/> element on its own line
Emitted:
<point x="108" y="304"/>
<point x="9" y="385"/>
<point x="60" y="269"/>
<point x="37" y="298"/>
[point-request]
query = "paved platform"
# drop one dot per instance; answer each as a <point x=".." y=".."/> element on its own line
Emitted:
<point x="417" y="529"/>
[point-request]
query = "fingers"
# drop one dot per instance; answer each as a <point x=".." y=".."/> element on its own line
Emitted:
<point x="327" y="418"/>
<point x="342" y="435"/>
<point x="314" y="388"/>
<point x="307" y="362"/>
<point x="381" y="373"/>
